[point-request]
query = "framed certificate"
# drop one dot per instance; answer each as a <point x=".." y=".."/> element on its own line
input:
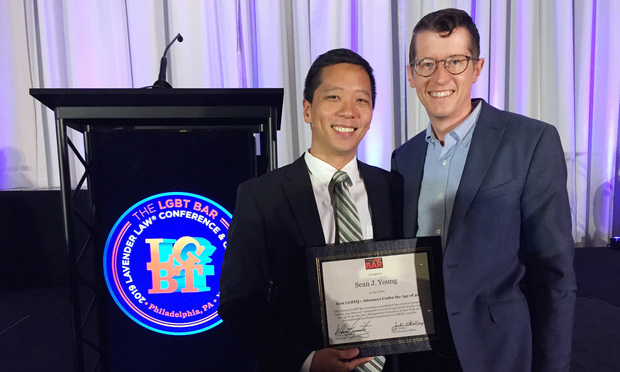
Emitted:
<point x="381" y="297"/>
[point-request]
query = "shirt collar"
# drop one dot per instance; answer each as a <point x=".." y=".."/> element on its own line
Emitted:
<point x="324" y="172"/>
<point x="462" y="129"/>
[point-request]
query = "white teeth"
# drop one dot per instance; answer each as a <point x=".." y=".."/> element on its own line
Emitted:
<point x="441" y="94"/>
<point x="343" y="129"/>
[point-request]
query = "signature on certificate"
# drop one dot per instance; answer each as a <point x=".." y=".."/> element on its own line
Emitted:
<point x="355" y="330"/>
<point x="406" y="326"/>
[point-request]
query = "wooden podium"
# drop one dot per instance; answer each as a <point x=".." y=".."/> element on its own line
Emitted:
<point x="141" y="142"/>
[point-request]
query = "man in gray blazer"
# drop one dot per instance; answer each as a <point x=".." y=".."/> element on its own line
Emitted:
<point x="492" y="184"/>
<point x="265" y="296"/>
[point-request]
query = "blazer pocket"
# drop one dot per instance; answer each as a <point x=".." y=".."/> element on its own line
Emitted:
<point x="508" y="310"/>
<point x="486" y="193"/>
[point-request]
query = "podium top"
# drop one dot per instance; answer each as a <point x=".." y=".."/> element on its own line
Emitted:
<point x="140" y="107"/>
<point x="54" y="98"/>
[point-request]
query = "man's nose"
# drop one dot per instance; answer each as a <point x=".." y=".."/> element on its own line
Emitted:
<point x="441" y="73"/>
<point x="348" y="108"/>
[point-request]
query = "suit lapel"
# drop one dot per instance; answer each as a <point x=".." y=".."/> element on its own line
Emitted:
<point x="418" y="158"/>
<point x="298" y="191"/>
<point x="486" y="139"/>
<point x="410" y="164"/>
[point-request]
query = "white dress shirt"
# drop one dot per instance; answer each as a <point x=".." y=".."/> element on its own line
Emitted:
<point x="321" y="174"/>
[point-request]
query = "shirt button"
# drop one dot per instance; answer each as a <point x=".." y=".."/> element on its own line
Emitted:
<point x="438" y="231"/>
<point x="440" y="196"/>
<point x="444" y="162"/>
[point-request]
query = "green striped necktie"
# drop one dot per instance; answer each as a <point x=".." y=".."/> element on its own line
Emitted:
<point x="348" y="226"/>
<point x="348" y="230"/>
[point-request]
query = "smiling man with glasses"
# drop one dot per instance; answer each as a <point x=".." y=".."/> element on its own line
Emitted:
<point x="492" y="184"/>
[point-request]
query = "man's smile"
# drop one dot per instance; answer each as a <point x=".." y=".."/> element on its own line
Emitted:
<point x="342" y="129"/>
<point x="441" y="94"/>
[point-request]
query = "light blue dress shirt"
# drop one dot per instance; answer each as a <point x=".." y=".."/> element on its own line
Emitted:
<point x="443" y="169"/>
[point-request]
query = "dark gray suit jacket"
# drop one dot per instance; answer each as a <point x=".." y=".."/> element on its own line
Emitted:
<point x="264" y="283"/>
<point x="508" y="261"/>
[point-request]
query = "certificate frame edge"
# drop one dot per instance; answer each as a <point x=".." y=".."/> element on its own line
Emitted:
<point x="432" y="245"/>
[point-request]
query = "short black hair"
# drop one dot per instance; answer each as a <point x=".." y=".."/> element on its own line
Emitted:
<point x="334" y="57"/>
<point x="444" y="22"/>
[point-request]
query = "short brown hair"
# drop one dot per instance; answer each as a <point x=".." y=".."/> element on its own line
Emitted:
<point x="444" y="22"/>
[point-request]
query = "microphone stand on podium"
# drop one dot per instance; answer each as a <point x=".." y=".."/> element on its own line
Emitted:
<point x="163" y="64"/>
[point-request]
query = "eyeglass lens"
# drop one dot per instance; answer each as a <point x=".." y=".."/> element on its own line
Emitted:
<point x="453" y="64"/>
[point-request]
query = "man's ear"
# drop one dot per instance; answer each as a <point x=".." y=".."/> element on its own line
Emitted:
<point x="478" y="68"/>
<point x="410" y="76"/>
<point x="307" y="111"/>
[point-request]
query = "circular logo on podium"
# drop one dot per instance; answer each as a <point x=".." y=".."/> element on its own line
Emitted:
<point x="162" y="262"/>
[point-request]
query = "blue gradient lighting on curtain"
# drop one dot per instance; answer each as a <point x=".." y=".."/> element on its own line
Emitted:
<point x="8" y="130"/>
<point x="372" y="38"/>
<point x="605" y="113"/>
<point x="524" y="36"/>
<point x="527" y="46"/>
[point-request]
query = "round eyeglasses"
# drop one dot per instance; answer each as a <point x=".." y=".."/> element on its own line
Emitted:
<point x="455" y="65"/>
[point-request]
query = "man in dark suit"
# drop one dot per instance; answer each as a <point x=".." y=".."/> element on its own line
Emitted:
<point x="264" y="284"/>
<point x="492" y="184"/>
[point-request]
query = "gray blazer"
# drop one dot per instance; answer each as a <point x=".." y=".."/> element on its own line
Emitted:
<point x="508" y="261"/>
